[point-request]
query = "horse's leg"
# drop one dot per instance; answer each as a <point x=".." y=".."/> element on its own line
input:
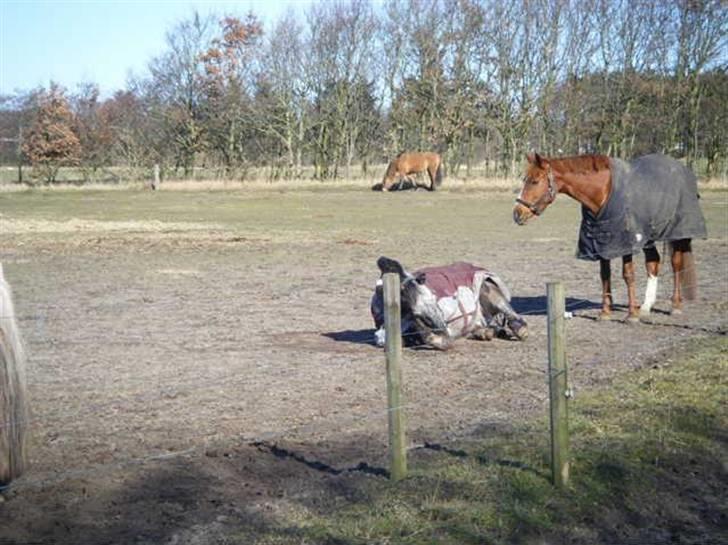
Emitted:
<point x="605" y="274"/>
<point x="431" y="174"/>
<point x="493" y="303"/>
<point x="482" y="333"/>
<point x="679" y="250"/>
<point x="652" y="264"/>
<point x="433" y="334"/>
<point x="628" y="275"/>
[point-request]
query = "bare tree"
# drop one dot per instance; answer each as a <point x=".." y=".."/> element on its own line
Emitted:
<point x="175" y="90"/>
<point x="338" y="72"/>
<point x="93" y="130"/>
<point x="281" y="111"/>
<point x="228" y="84"/>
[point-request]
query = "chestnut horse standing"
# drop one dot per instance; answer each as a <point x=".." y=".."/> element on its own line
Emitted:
<point x="625" y="207"/>
<point x="406" y="164"/>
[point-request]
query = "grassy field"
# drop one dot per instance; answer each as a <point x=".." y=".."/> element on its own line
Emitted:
<point x="207" y="316"/>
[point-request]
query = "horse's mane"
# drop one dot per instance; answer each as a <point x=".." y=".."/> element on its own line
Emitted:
<point x="581" y="164"/>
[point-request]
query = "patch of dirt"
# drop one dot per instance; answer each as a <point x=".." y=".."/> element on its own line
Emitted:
<point x="162" y="364"/>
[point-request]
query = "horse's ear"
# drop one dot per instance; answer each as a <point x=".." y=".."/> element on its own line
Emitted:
<point x="531" y="157"/>
<point x="387" y="265"/>
<point x="421" y="278"/>
<point x="539" y="160"/>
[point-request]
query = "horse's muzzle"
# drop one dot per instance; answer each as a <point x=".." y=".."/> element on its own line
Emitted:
<point x="521" y="214"/>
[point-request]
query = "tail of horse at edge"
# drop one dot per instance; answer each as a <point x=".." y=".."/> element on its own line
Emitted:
<point x="13" y="402"/>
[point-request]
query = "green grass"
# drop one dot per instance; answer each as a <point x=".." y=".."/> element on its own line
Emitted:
<point x="341" y="211"/>
<point x="648" y="467"/>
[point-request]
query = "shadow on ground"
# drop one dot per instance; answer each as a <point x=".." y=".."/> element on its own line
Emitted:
<point x="354" y="336"/>
<point x="538" y="305"/>
<point x="290" y="492"/>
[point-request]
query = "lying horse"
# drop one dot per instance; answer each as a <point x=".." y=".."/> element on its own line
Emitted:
<point x="13" y="409"/>
<point x="442" y="304"/>
<point x="406" y="164"/>
<point x="625" y="207"/>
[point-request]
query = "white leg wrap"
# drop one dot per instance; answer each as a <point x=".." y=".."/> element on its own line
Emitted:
<point x="650" y="295"/>
<point x="380" y="336"/>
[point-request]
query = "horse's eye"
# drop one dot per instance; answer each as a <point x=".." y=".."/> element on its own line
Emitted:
<point x="533" y="182"/>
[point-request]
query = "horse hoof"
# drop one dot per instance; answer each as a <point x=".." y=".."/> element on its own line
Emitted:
<point x="604" y="317"/>
<point x="520" y="333"/>
<point x="632" y="319"/>
<point x="645" y="311"/>
<point x="676" y="311"/>
<point x="439" y="342"/>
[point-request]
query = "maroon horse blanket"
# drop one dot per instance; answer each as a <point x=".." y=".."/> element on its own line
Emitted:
<point x="444" y="281"/>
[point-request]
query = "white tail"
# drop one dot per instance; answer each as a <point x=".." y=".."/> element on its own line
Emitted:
<point x="13" y="407"/>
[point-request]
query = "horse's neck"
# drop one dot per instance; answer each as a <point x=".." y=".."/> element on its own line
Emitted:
<point x="590" y="189"/>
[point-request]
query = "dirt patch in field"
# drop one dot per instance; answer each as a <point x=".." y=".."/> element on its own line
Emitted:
<point x="167" y="358"/>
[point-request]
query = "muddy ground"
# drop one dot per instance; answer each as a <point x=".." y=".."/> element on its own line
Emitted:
<point x="201" y="364"/>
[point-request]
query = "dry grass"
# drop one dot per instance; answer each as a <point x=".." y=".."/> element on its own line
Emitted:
<point x="75" y="225"/>
<point x="450" y="184"/>
<point x="713" y="184"/>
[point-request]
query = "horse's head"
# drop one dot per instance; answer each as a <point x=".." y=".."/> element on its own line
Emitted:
<point x="388" y="180"/>
<point x="412" y="289"/>
<point x="538" y="191"/>
<point x="419" y="304"/>
<point x="391" y="175"/>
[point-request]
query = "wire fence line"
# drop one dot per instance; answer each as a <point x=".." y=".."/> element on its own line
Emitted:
<point x="51" y="477"/>
<point x="316" y="425"/>
<point x="225" y="379"/>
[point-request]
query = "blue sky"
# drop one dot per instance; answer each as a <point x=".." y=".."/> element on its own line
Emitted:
<point x="99" y="41"/>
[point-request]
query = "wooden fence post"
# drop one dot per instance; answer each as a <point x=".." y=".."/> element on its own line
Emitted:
<point x="558" y="385"/>
<point x="156" y="180"/>
<point x="393" y="328"/>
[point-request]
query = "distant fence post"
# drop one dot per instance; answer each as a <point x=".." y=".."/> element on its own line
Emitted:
<point x="393" y="328"/>
<point x="558" y="386"/>
<point x="155" y="181"/>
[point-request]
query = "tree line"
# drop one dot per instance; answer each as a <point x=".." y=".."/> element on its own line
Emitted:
<point x="350" y="83"/>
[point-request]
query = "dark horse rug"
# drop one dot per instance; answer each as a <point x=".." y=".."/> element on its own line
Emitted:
<point x="653" y="198"/>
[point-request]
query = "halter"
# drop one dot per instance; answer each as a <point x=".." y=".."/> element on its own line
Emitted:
<point x="551" y="194"/>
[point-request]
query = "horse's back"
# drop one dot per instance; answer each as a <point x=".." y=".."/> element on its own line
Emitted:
<point x="418" y="158"/>
<point x="663" y="196"/>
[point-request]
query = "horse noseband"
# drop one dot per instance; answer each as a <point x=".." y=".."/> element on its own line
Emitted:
<point x="533" y="207"/>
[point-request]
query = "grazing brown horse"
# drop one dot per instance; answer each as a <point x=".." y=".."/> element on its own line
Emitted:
<point x="625" y="207"/>
<point x="406" y="164"/>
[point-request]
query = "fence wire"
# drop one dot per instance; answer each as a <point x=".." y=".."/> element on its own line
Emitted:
<point x="201" y="441"/>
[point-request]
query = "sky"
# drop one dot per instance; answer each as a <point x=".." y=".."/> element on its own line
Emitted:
<point x="100" y="41"/>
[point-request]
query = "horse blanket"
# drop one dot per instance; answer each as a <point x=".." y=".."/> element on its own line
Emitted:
<point x="652" y="198"/>
<point x="453" y="301"/>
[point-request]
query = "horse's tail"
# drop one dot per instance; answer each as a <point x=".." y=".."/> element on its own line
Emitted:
<point x="13" y="408"/>
<point x="689" y="277"/>
<point x="439" y="174"/>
